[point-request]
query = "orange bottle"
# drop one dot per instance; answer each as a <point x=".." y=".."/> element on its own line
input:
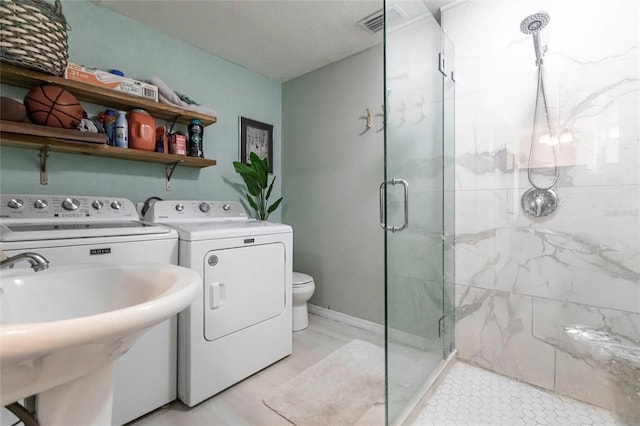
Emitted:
<point x="142" y="130"/>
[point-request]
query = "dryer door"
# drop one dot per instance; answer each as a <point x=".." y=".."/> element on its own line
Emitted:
<point x="243" y="286"/>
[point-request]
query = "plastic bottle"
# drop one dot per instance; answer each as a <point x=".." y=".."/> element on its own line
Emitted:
<point x="110" y="126"/>
<point x="122" y="130"/>
<point x="195" y="139"/>
<point x="142" y="130"/>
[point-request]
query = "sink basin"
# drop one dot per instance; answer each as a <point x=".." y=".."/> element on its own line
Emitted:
<point x="64" y="323"/>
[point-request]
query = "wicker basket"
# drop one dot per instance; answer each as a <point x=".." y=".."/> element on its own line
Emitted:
<point x="33" y="34"/>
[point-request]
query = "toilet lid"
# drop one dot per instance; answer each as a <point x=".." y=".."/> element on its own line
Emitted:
<point x="301" y="279"/>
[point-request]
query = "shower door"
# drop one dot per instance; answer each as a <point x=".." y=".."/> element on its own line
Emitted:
<point x="412" y="200"/>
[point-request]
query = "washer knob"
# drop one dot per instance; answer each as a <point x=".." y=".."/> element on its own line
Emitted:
<point x="71" y="204"/>
<point x="40" y="204"/>
<point x="97" y="204"/>
<point x="226" y="207"/>
<point x="116" y="205"/>
<point x="179" y="207"/>
<point x="15" y="203"/>
<point x="204" y="207"/>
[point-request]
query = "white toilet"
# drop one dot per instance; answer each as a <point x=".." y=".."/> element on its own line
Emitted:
<point x="303" y="288"/>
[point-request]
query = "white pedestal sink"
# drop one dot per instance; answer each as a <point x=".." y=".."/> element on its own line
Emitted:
<point x="62" y="329"/>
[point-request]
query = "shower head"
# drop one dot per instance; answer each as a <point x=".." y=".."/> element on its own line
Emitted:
<point x="534" y="23"/>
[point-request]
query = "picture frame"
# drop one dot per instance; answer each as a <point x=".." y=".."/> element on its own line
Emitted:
<point x="256" y="137"/>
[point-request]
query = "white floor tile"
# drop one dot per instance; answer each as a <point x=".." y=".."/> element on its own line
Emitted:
<point x="471" y="396"/>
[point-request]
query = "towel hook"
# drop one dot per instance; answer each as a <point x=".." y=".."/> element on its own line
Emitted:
<point x="369" y="119"/>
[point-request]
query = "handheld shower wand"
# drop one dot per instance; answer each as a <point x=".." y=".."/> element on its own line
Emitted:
<point x="539" y="200"/>
<point x="533" y="24"/>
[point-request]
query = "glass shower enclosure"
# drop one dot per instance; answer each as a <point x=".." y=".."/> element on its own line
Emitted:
<point x="416" y="204"/>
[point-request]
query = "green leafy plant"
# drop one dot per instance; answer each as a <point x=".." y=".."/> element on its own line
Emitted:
<point x="256" y="178"/>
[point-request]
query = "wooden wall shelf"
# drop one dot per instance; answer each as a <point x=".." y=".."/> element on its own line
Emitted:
<point x="22" y="77"/>
<point x="59" y="143"/>
<point x="47" y="139"/>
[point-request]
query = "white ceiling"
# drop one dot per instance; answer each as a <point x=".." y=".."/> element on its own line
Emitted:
<point x="281" y="39"/>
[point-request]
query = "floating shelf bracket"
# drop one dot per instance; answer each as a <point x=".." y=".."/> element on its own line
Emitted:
<point x="44" y="154"/>
<point x="173" y="123"/>
<point x="169" y="169"/>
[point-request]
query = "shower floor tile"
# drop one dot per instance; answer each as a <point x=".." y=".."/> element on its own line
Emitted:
<point x="471" y="396"/>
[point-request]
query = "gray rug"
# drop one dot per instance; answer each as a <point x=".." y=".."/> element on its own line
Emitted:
<point x="344" y="389"/>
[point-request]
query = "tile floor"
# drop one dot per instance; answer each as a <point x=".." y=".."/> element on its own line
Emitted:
<point x="471" y="396"/>
<point x="468" y="396"/>
<point x="241" y="404"/>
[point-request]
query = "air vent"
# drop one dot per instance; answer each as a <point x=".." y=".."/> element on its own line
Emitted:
<point x="374" y="22"/>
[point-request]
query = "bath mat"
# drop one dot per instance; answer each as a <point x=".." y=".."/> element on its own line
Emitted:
<point x="338" y="390"/>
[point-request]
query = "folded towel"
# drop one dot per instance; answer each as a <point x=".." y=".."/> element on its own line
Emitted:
<point x="167" y="96"/>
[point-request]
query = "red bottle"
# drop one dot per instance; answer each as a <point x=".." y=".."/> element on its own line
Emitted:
<point x="142" y="130"/>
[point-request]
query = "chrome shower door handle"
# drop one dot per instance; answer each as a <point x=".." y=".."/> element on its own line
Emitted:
<point x="405" y="186"/>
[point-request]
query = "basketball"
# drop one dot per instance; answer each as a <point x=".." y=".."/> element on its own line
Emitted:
<point x="53" y="106"/>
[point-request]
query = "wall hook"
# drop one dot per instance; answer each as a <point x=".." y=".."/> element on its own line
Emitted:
<point x="369" y="119"/>
<point x="397" y="116"/>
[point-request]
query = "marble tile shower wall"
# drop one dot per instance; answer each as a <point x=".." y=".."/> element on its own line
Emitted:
<point x="521" y="281"/>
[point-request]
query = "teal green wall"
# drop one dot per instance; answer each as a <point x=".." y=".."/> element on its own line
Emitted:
<point x="103" y="39"/>
<point x="332" y="167"/>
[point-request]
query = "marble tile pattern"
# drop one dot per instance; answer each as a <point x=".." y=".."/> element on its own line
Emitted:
<point x="470" y="396"/>
<point x="522" y="282"/>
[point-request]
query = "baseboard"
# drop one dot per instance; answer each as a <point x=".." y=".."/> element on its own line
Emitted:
<point x="395" y="336"/>
<point x="371" y="326"/>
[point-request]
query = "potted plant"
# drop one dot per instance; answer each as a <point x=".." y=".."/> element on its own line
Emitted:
<point x="256" y="178"/>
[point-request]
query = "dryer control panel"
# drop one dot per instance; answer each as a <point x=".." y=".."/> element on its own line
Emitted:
<point x="194" y="211"/>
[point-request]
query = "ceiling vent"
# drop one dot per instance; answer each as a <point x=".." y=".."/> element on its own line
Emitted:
<point x="375" y="22"/>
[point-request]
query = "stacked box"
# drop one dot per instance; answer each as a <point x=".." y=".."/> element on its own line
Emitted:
<point x="111" y="81"/>
<point x="177" y="144"/>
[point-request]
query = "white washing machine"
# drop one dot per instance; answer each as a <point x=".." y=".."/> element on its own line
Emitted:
<point x="78" y="230"/>
<point x="241" y="322"/>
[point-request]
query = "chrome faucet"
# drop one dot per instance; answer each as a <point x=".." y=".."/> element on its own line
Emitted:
<point x="38" y="262"/>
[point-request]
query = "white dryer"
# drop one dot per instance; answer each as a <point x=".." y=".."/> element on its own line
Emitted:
<point x="241" y="323"/>
<point x="69" y="230"/>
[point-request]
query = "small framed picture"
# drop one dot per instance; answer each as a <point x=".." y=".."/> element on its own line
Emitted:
<point x="256" y="137"/>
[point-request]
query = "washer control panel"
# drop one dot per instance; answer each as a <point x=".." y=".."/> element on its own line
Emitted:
<point x="194" y="211"/>
<point x="54" y="208"/>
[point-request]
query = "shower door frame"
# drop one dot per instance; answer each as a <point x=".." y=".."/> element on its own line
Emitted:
<point x="433" y="341"/>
